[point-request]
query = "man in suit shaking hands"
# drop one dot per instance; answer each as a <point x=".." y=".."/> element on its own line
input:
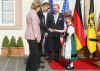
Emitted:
<point x="55" y="20"/>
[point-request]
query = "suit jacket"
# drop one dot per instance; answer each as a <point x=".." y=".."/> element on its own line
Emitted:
<point x="43" y="26"/>
<point x="33" y="26"/>
<point x="59" y="25"/>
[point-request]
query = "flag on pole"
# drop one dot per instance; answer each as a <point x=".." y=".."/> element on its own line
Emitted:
<point x="78" y="25"/>
<point x="91" y="34"/>
<point x="98" y="34"/>
<point x="51" y="5"/>
<point x="98" y="29"/>
<point x="65" y="6"/>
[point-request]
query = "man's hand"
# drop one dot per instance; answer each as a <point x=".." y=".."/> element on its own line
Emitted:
<point x="38" y="41"/>
<point x="46" y="34"/>
<point x="51" y="30"/>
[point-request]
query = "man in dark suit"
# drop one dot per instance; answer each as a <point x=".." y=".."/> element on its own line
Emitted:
<point x="55" y="20"/>
<point x="43" y="27"/>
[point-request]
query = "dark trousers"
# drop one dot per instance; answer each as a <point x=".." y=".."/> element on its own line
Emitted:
<point x="53" y="48"/>
<point x="33" y="61"/>
<point x="44" y="48"/>
<point x="41" y="48"/>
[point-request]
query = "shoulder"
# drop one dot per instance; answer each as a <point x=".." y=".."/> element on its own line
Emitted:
<point x="61" y="14"/>
<point x="50" y="14"/>
<point x="31" y="13"/>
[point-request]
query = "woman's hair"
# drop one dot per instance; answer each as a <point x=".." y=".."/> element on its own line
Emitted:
<point x="35" y="5"/>
<point x="68" y="14"/>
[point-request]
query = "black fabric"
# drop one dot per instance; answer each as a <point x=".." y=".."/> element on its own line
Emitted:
<point x="51" y="24"/>
<point x="43" y="25"/>
<point x="91" y="7"/>
<point x="53" y="48"/>
<point x="33" y="61"/>
<point x="78" y="9"/>
<point x="43" y="28"/>
<point x="54" y="37"/>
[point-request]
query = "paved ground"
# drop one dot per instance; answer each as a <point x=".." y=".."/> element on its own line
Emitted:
<point x="18" y="64"/>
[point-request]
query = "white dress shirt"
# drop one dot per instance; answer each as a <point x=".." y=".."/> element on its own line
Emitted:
<point x="56" y="17"/>
<point x="45" y="15"/>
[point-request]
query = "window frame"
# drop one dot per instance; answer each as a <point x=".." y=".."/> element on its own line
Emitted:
<point x="18" y="18"/>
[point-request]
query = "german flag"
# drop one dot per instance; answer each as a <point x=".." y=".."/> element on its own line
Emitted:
<point x="78" y="25"/>
<point x="91" y="34"/>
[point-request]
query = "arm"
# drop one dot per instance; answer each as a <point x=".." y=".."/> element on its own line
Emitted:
<point x="36" y="28"/>
<point x="60" y="31"/>
<point x="55" y="30"/>
<point x="49" y="20"/>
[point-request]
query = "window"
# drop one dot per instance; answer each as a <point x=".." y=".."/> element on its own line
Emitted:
<point x="10" y="14"/>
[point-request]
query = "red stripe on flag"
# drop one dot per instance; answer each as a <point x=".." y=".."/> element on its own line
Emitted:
<point x="79" y="30"/>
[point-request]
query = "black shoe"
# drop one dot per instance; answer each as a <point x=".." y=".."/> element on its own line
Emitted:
<point x="41" y="61"/>
<point x="70" y="68"/>
<point x="42" y="66"/>
<point x="56" y="60"/>
<point x="49" y="61"/>
<point x="27" y="69"/>
<point x="66" y="66"/>
<point x="37" y="70"/>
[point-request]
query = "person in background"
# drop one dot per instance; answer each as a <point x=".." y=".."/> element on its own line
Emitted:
<point x="68" y="50"/>
<point x="33" y="37"/>
<point x="55" y="20"/>
<point x="43" y="27"/>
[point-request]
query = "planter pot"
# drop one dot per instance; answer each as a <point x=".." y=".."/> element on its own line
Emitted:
<point x="4" y="51"/>
<point x="17" y="52"/>
<point x="13" y="51"/>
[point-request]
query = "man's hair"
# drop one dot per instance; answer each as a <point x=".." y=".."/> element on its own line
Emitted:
<point x="35" y="5"/>
<point x="56" y="5"/>
<point x="45" y="4"/>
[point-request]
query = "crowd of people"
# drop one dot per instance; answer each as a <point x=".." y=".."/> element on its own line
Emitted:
<point x="43" y="32"/>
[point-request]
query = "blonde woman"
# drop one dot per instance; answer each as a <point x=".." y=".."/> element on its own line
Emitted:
<point x="33" y="37"/>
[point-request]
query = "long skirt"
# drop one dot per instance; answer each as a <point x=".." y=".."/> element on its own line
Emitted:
<point x="69" y="50"/>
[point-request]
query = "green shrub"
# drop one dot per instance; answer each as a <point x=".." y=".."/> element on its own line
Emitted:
<point x="5" y="42"/>
<point x="19" y="42"/>
<point x="12" y="42"/>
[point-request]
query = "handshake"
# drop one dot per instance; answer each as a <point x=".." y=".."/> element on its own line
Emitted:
<point x="55" y="30"/>
<point x="51" y="30"/>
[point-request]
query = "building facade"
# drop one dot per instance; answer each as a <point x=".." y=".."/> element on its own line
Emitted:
<point x="13" y="17"/>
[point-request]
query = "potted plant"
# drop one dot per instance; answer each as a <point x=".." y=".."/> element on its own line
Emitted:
<point x="5" y="46"/>
<point x="20" y="47"/>
<point x="16" y="47"/>
<point x="12" y="43"/>
<point x="12" y="47"/>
